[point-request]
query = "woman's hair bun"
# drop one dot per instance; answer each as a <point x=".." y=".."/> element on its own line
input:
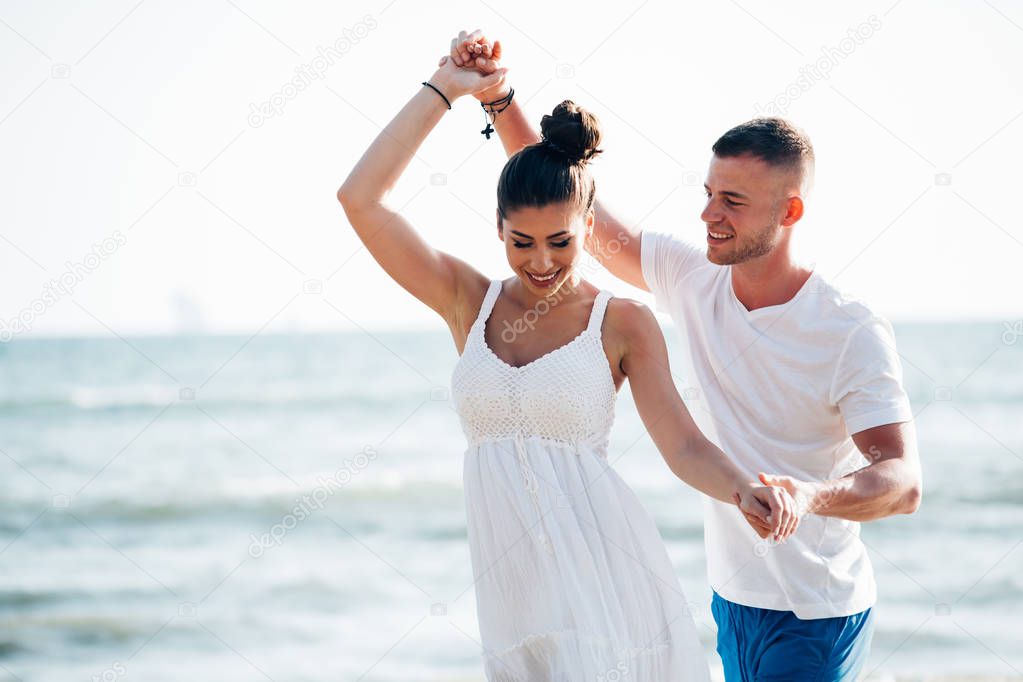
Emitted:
<point x="572" y="132"/>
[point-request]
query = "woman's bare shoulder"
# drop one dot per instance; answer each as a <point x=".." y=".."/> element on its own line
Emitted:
<point x="470" y="290"/>
<point x="633" y="323"/>
<point x="630" y="315"/>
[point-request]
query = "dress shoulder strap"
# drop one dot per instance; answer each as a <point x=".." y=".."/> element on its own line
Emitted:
<point x="493" y="291"/>
<point x="599" y="307"/>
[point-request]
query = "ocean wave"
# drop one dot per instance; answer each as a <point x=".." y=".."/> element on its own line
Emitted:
<point x="104" y="399"/>
<point x="19" y="599"/>
<point x="1011" y="495"/>
<point x="27" y="598"/>
<point x="100" y="401"/>
<point x="85" y="628"/>
<point x="677" y="533"/>
<point x="263" y="498"/>
<point x="10" y="648"/>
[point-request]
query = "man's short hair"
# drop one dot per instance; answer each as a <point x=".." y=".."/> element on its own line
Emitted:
<point x="773" y="140"/>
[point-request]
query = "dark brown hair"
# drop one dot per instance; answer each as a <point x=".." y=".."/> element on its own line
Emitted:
<point x="554" y="169"/>
<point x="773" y="140"/>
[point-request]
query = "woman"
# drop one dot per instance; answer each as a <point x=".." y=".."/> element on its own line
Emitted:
<point x="572" y="578"/>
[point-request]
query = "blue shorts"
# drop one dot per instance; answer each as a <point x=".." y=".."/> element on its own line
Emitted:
<point x="757" y="645"/>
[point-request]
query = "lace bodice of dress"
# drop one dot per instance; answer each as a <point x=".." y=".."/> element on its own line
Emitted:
<point x="566" y="395"/>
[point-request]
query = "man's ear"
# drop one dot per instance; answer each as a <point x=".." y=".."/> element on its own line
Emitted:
<point x="794" y="211"/>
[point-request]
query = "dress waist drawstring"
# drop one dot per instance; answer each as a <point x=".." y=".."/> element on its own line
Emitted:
<point x="532" y="486"/>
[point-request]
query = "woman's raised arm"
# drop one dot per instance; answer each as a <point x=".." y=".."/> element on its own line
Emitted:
<point x="432" y="276"/>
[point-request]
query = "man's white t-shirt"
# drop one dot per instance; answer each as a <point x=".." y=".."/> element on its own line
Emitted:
<point x="781" y="390"/>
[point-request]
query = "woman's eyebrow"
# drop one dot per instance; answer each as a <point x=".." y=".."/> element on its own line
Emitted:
<point x="526" y="236"/>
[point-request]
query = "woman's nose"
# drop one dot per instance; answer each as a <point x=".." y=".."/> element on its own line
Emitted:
<point x="543" y="262"/>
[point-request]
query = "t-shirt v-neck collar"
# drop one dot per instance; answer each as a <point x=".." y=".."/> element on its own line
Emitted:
<point x="769" y="311"/>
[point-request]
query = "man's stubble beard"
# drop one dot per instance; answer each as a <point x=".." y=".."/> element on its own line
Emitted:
<point x="757" y="245"/>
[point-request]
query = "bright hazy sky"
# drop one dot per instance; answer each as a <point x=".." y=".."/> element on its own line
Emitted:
<point x="130" y="122"/>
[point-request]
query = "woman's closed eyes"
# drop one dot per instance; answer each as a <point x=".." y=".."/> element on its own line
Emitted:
<point x="523" y="245"/>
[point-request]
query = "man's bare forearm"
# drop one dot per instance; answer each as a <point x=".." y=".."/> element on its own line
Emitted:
<point x="514" y="130"/>
<point x="874" y="492"/>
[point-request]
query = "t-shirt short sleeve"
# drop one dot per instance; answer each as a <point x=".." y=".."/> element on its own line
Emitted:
<point x="665" y="260"/>
<point x="867" y="387"/>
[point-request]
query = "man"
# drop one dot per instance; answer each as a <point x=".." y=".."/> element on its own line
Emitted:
<point x="791" y="376"/>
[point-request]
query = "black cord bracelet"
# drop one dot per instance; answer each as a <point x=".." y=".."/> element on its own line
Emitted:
<point x="506" y="101"/>
<point x="490" y="114"/>
<point x="434" y="88"/>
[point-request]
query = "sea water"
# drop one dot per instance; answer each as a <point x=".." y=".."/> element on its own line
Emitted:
<point x="290" y="507"/>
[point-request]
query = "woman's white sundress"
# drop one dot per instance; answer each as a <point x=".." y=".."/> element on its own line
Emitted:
<point x="573" y="582"/>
